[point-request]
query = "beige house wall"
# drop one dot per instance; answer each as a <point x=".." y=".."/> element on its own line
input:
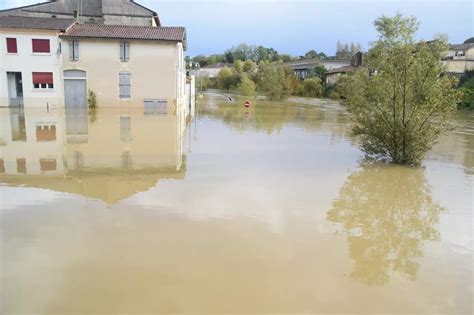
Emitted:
<point x="153" y="66"/>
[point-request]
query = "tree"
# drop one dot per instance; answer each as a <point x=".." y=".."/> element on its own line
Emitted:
<point x="401" y="109"/>
<point x="312" y="87"/>
<point x="469" y="40"/>
<point x="225" y="78"/>
<point x="238" y="67"/>
<point x="249" y="67"/>
<point x="274" y="82"/>
<point x="203" y="82"/>
<point x="247" y="86"/>
<point x="318" y="71"/>
<point x="312" y="54"/>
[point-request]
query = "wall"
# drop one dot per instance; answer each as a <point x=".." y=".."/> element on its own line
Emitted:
<point x="460" y="65"/>
<point x="153" y="66"/>
<point x="26" y="62"/>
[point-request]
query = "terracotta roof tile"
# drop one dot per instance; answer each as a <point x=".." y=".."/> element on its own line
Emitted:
<point x="126" y="32"/>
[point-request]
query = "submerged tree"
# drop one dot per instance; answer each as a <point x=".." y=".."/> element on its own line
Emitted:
<point x="400" y="100"/>
<point x="386" y="212"/>
<point x="274" y="81"/>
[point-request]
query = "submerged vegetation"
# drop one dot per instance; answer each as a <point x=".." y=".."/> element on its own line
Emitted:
<point x="400" y="100"/>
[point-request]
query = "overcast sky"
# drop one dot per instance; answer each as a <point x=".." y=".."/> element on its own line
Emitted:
<point x="296" y="26"/>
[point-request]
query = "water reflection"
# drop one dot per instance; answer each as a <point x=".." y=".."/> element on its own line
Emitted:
<point x="271" y="117"/>
<point x="386" y="212"/>
<point x="109" y="154"/>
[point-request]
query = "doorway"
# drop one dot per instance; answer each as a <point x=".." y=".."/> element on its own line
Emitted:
<point x="15" y="89"/>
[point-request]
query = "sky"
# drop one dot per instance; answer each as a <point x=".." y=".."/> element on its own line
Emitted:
<point x="297" y="26"/>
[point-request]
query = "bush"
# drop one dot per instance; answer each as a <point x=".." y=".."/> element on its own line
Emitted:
<point x="312" y="87"/>
<point x="203" y="83"/>
<point x="227" y="79"/>
<point x="247" y="86"/>
<point x="275" y="81"/>
<point x="91" y="99"/>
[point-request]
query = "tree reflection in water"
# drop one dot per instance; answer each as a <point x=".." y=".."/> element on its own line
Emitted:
<point x="387" y="212"/>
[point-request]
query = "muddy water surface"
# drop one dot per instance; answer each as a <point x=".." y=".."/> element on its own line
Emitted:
<point x="270" y="210"/>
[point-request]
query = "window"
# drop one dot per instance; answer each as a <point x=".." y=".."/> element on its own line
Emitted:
<point x="124" y="84"/>
<point x="48" y="165"/>
<point x="74" y="50"/>
<point x="124" y="52"/>
<point x="45" y="133"/>
<point x="41" y="46"/>
<point x="126" y="129"/>
<point x="155" y="107"/>
<point x="43" y="80"/>
<point x="459" y="53"/>
<point x="12" y="46"/>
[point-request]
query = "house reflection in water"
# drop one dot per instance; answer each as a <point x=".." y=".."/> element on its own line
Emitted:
<point x="110" y="154"/>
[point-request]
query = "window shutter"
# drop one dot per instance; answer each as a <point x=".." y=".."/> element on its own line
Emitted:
<point x="127" y="52"/>
<point x="122" y="55"/>
<point x="40" y="45"/>
<point x="12" y="46"/>
<point x="71" y="50"/>
<point x="124" y="85"/>
<point x="76" y="50"/>
<point x="42" y="78"/>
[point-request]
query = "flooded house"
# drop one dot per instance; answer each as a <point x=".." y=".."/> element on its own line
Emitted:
<point x="31" y="62"/>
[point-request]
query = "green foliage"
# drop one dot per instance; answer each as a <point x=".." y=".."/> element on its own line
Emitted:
<point x="319" y="71"/>
<point x="238" y="66"/>
<point x="312" y="87"/>
<point x="467" y="98"/>
<point x="203" y="83"/>
<point x="249" y="67"/>
<point x="469" y="40"/>
<point x="247" y="86"/>
<point x="401" y="109"/>
<point x="91" y="99"/>
<point x="274" y="81"/>
<point x="225" y="78"/>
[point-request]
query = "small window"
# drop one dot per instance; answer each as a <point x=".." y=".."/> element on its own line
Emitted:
<point x="45" y="133"/>
<point x="124" y="52"/>
<point x="74" y="50"/>
<point x="12" y="46"/>
<point x="155" y="107"/>
<point x="460" y="53"/>
<point x="124" y="85"/>
<point x="41" y="46"/>
<point x="43" y="80"/>
<point x="48" y="165"/>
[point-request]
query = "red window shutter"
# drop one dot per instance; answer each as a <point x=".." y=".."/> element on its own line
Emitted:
<point x="11" y="45"/>
<point x="41" y="45"/>
<point x="42" y="78"/>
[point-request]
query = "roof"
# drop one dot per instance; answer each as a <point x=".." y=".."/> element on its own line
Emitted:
<point x="177" y="34"/>
<point x="341" y="70"/>
<point x="35" y="23"/>
<point x="461" y="46"/>
<point x="86" y="8"/>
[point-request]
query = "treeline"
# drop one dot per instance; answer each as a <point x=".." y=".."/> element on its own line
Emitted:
<point x="271" y="79"/>
<point x="259" y="54"/>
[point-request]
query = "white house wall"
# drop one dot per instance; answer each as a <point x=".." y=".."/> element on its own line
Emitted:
<point x="26" y="62"/>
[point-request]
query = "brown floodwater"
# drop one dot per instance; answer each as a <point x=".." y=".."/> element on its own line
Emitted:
<point x="270" y="210"/>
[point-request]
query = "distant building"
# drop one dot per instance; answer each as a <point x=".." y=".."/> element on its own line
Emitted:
<point x="333" y="75"/>
<point x="210" y="71"/>
<point x="114" y="12"/>
<point x="302" y="68"/>
<point x="459" y="59"/>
